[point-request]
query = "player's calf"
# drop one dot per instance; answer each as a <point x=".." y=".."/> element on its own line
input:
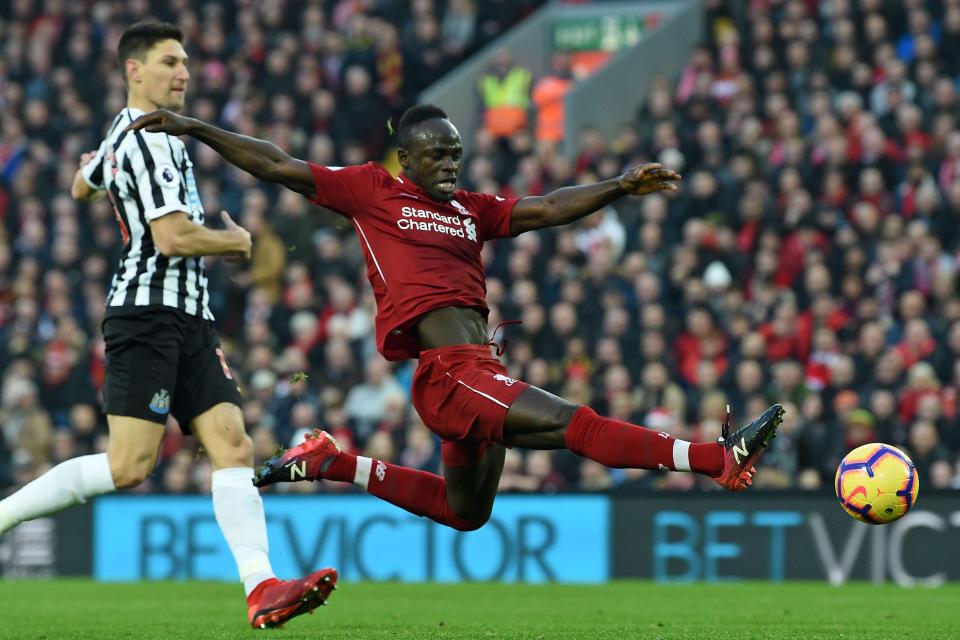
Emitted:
<point x="622" y="445"/>
<point x="420" y="492"/>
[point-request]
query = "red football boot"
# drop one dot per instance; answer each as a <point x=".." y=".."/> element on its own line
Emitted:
<point x="306" y="461"/>
<point x="742" y="448"/>
<point x="274" y="601"/>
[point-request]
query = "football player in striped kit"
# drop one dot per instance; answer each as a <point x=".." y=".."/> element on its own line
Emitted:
<point x="163" y="354"/>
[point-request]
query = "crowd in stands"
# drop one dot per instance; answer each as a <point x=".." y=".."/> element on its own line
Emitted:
<point x="811" y="257"/>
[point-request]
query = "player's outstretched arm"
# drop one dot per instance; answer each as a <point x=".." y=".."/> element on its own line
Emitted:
<point x="260" y="158"/>
<point x="568" y="204"/>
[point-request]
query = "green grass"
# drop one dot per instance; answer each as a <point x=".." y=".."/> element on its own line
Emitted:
<point x="56" y="610"/>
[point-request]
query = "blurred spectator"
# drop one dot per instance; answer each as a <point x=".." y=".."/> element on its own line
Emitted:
<point x="269" y="254"/>
<point x="459" y="26"/>
<point x="421" y="450"/>
<point x="505" y="93"/>
<point x="515" y="476"/>
<point x="366" y="403"/>
<point x="547" y="96"/>
<point x="926" y="449"/>
<point x="424" y="57"/>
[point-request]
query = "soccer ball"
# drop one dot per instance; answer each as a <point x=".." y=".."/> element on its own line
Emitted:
<point x="877" y="483"/>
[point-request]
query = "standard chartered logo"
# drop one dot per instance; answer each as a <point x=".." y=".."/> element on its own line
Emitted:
<point x="414" y="219"/>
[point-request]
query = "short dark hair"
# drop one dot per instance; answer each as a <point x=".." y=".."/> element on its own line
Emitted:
<point x="414" y="116"/>
<point x="140" y="38"/>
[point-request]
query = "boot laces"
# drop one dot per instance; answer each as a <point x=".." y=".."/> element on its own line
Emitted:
<point x="725" y="430"/>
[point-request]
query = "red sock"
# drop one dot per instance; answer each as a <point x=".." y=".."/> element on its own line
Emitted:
<point x="342" y="468"/>
<point x="419" y="492"/>
<point x="622" y="445"/>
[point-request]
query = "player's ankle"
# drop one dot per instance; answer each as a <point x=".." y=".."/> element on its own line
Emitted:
<point x="707" y="458"/>
<point x="340" y="468"/>
<point x="259" y="580"/>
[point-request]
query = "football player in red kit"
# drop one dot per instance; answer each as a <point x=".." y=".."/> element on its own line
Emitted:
<point x="421" y="237"/>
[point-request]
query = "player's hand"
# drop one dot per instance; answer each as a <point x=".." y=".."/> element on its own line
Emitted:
<point x="80" y="189"/>
<point x="161" y="121"/>
<point x="242" y="254"/>
<point x="649" y="178"/>
<point x="87" y="157"/>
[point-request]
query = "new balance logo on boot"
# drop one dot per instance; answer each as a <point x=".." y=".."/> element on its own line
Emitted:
<point x="298" y="470"/>
<point x="740" y="450"/>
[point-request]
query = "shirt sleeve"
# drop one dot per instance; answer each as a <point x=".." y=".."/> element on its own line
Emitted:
<point x="344" y="189"/>
<point x="93" y="171"/>
<point x="493" y="214"/>
<point x="157" y="176"/>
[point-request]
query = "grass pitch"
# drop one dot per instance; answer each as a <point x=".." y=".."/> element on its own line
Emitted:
<point x="55" y="610"/>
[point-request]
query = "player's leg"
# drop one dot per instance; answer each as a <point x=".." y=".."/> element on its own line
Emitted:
<point x="208" y="401"/>
<point x="461" y="499"/>
<point x="468" y="424"/>
<point x="132" y="449"/>
<point x="236" y="502"/>
<point x="540" y="420"/>
<point x="472" y="478"/>
<point x="131" y="456"/>
<point x="142" y="352"/>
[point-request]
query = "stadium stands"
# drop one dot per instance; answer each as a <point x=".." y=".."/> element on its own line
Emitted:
<point x="812" y="257"/>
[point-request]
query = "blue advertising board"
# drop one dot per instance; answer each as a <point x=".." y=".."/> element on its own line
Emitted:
<point x="528" y="539"/>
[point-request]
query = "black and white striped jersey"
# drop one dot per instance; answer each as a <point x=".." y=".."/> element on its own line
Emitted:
<point x="146" y="176"/>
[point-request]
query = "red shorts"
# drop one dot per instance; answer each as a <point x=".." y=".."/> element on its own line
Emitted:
<point x="463" y="393"/>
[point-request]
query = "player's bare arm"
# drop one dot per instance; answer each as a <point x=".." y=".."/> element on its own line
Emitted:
<point x="80" y="190"/>
<point x="175" y="235"/>
<point x="569" y="204"/>
<point x="260" y="158"/>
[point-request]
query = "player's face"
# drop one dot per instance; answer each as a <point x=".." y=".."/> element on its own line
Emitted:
<point x="433" y="160"/>
<point x="164" y="75"/>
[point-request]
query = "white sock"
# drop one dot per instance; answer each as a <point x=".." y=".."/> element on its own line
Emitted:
<point x="681" y="455"/>
<point x="70" y="482"/>
<point x="361" y="477"/>
<point x="239" y="511"/>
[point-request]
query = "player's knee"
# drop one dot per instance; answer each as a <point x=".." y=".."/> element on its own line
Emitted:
<point x="236" y="451"/>
<point x="239" y="443"/>
<point x="224" y="438"/>
<point x="472" y="519"/>
<point x="467" y="525"/>
<point x="470" y="524"/>
<point x="243" y="451"/>
<point x="129" y="474"/>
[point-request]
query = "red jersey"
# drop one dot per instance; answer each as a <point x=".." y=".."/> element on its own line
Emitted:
<point x="422" y="254"/>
